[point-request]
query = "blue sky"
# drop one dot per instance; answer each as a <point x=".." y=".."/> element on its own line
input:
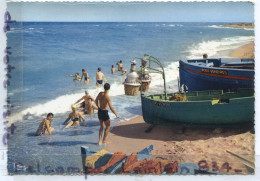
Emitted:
<point x="133" y="12"/>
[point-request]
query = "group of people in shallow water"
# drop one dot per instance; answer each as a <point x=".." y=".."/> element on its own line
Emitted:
<point x="100" y="77"/>
<point x="102" y="102"/>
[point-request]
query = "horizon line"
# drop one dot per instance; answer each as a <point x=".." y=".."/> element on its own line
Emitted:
<point x="132" y="21"/>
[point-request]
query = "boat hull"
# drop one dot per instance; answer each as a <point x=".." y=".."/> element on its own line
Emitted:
<point x="198" y="78"/>
<point x="192" y="113"/>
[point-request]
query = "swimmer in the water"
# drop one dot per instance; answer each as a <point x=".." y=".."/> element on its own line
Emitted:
<point x="45" y="126"/>
<point x="113" y="69"/>
<point x="86" y="77"/>
<point x="120" y="67"/>
<point x="100" y="77"/>
<point x="75" y="117"/>
<point x="76" y="76"/>
<point x="87" y="103"/>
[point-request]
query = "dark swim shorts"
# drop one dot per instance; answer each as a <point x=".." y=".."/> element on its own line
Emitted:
<point x="83" y="104"/>
<point x="100" y="81"/>
<point x="103" y="115"/>
<point x="75" y="119"/>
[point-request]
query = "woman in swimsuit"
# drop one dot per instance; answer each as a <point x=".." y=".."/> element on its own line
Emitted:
<point x="75" y="117"/>
<point x="45" y="126"/>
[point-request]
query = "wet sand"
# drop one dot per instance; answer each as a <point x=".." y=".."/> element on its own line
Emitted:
<point x="245" y="51"/>
<point x="204" y="145"/>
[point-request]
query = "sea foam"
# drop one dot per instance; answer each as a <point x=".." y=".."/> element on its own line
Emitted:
<point x="213" y="47"/>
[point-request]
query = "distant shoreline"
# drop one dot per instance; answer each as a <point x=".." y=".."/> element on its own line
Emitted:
<point x="245" y="51"/>
<point x="240" y="25"/>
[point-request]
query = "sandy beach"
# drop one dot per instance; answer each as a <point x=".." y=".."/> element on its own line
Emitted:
<point x="194" y="144"/>
<point x="240" y="25"/>
<point x="245" y="51"/>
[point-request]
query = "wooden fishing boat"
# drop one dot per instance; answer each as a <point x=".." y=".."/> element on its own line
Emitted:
<point x="211" y="108"/>
<point x="214" y="108"/>
<point x="216" y="74"/>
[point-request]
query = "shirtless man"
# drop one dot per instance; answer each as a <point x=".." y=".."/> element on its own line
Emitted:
<point x="45" y="126"/>
<point x="87" y="103"/>
<point x="120" y="67"/>
<point x="103" y="101"/>
<point x="100" y="77"/>
<point x="86" y="77"/>
<point x="75" y="117"/>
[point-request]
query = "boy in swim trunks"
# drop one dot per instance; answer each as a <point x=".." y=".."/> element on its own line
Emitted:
<point x="87" y="103"/>
<point x="45" y="126"/>
<point x="100" y="77"/>
<point x="103" y="101"/>
<point x="75" y="117"/>
<point x="86" y="77"/>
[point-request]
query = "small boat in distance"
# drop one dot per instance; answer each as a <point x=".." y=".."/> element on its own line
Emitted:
<point x="216" y="74"/>
<point x="214" y="108"/>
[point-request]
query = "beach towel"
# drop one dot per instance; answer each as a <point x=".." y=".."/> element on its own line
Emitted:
<point x="90" y="160"/>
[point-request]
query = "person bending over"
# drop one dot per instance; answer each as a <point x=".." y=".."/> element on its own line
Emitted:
<point x="87" y="103"/>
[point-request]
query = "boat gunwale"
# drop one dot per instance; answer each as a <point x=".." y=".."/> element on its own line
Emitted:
<point x="209" y="100"/>
<point x="217" y="68"/>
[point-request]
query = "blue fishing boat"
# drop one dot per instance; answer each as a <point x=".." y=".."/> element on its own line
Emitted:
<point x="216" y="74"/>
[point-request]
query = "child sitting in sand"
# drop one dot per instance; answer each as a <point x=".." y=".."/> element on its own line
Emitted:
<point x="75" y="117"/>
<point x="45" y="126"/>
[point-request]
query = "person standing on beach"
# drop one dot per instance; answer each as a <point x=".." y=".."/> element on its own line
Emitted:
<point x="45" y="126"/>
<point x="86" y="77"/>
<point x="87" y="103"/>
<point x="100" y="77"/>
<point x="75" y="117"/>
<point x="113" y="69"/>
<point x="103" y="101"/>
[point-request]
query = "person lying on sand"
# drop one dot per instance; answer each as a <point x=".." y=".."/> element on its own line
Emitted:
<point x="45" y="126"/>
<point x="75" y="117"/>
<point x="87" y="103"/>
<point x="103" y="101"/>
<point x="77" y="77"/>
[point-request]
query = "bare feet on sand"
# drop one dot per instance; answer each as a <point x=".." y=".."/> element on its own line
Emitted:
<point x="106" y="142"/>
<point x="103" y="143"/>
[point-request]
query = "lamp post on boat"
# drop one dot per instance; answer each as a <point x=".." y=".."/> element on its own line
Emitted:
<point x="151" y="59"/>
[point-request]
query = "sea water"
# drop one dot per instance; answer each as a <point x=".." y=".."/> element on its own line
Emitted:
<point x="44" y="53"/>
